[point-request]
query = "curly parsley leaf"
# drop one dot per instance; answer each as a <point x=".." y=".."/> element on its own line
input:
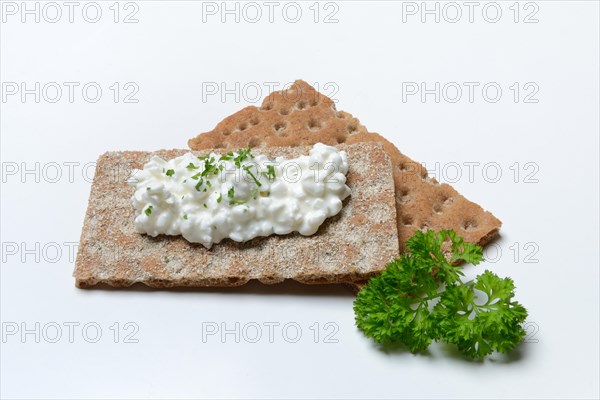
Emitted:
<point x="480" y="324"/>
<point x="397" y="306"/>
<point x="441" y="251"/>
<point x="393" y="307"/>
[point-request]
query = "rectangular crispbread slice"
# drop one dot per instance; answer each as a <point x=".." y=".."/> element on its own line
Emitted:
<point x="301" y="116"/>
<point x="351" y="246"/>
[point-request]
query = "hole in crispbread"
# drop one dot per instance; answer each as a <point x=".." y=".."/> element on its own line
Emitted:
<point x="352" y="129"/>
<point x="226" y="132"/>
<point x="409" y="167"/>
<point x="242" y="126"/>
<point x="340" y="139"/>
<point x="292" y="93"/>
<point x="221" y="145"/>
<point x="407" y="220"/>
<point x="267" y="107"/>
<point x="314" y="124"/>
<point x="437" y="208"/>
<point x="446" y="200"/>
<point x="255" y="142"/>
<point x="279" y="128"/>
<point x="403" y="195"/>
<point x="469" y="225"/>
<point x="284" y="111"/>
<point x="253" y="121"/>
<point x="301" y="105"/>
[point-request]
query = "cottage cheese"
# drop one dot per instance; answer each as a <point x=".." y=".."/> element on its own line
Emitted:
<point x="239" y="195"/>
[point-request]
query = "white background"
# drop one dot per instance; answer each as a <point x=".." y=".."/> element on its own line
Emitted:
<point x="171" y="54"/>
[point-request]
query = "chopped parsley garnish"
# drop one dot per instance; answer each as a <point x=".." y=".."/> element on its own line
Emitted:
<point x="247" y="169"/>
<point x="232" y="200"/>
<point x="185" y="216"/>
<point x="270" y="174"/>
<point x="148" y="211"/>
<point x="243" y="154"/>
<point x="205" y="206"/>
<point x="211" y="166"/>
<point x="170" y="172"/>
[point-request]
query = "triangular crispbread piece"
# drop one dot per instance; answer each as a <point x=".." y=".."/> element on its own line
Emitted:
<point x="301" y="116"/>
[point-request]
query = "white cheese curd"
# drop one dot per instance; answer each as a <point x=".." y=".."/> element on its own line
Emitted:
<point x="239" y="195"/>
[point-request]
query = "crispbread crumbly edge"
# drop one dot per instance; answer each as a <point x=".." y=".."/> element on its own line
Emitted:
<point x="351" y="246"/>
<point x="301" y="116"/>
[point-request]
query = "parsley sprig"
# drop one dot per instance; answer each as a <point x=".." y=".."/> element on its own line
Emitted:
<point x="420" y="298"/>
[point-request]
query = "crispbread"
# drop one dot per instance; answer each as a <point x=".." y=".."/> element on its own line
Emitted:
<point x="351" y="246"/>
<point x="301" y="116"/>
